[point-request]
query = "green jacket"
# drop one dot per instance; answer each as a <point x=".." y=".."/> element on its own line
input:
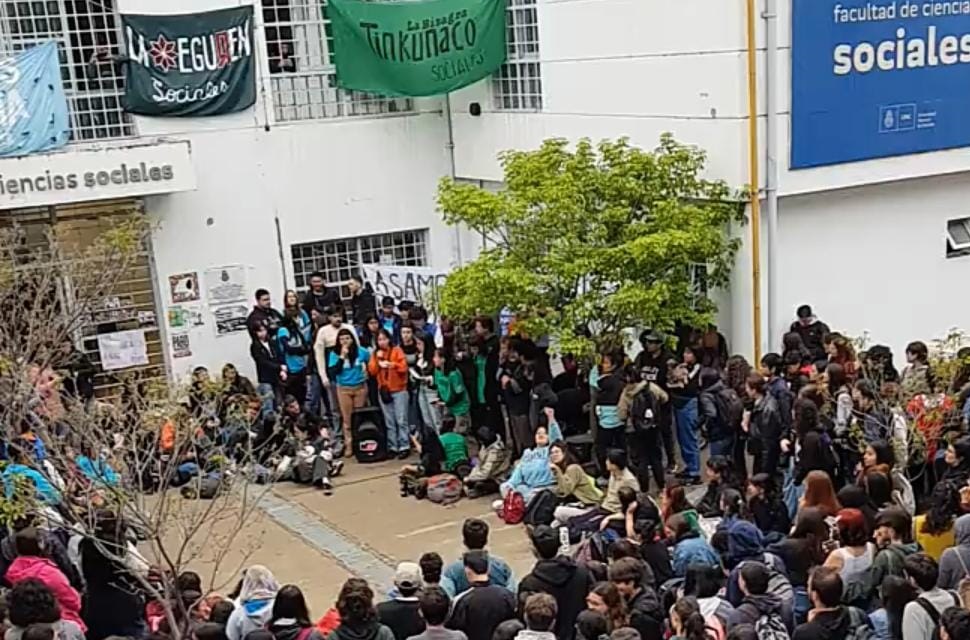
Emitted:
<point x="452" y="392"/>
<point x="456" y="451"/>
<point x="575" y="483"/>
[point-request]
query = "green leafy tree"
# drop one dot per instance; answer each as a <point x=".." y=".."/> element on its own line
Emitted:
<point x="594" y="239"/>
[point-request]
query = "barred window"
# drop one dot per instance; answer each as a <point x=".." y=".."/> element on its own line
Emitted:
<point x="340" y="259"/>
<point x="517" y="86"/>
<point x="299" y="47"/>
<point x="88" y="35"/>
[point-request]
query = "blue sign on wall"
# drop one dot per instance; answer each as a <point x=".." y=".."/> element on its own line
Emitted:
<point x="878" y="78"/>
<point x="33" y="109"/>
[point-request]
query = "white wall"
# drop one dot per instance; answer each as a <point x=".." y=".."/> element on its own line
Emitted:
<point x="874" y="259"/>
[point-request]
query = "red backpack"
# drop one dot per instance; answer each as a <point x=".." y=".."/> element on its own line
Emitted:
<point x="513" y="508"/>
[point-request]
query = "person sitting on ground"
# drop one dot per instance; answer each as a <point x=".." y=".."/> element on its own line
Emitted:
<point x="455" y="446"/>
<point x="358" y="618"/>
<point x="291" y="618"/>
<point x="647" y="532"/>
<point x="31" y="603"/>
<point x="920" y="616"/>
<point x="746" y="546"/>
<point x="483" y="606"/>
<point x="308" y="456"/>
<point x="474" y="535"/>
<point x="493" y="464"/>
<point x="690" y="547"/>
<point x="767" y="507"/>
<point x="434" y="606"/>
<point x="215" y="631"/>
<point x="531" y="473"/>
<point x="611" y="508"/>
<point x="401" y="613"/>
<point x="558" y="576"/>
<point x="687" y="622"/>
<point x="53" y="548"/>
<point x="540" y="613"/>
<point x="573" y="485"/>
<point x="757" y="603"/>
<point x="32" y="563"/>
<point x="829" y="618"/>
<point x="719" y="478"/>
<point x="705" y="583"/>
<point x="254" y="606"/>
<point x="427" y="444"/>
<point x="674" y="500"/>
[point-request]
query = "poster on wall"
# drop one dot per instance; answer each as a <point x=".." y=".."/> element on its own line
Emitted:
<point x="226" y="284"/>
<point x="184" y="287"/>
<point x="181" y="347"/>
<point x="417" y="284"/>
<point x="194" y="64"/>
<point x="417" y="48"/>
<point x="122" y="349"/>
<point x="230" y="318"/>
<point x="185" y="316"/>
<point x="878" y="78"/>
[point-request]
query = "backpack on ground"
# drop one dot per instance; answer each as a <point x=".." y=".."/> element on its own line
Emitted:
<point x="444" y="488"/>
<point x="770" y="627"/>
<point x="541" y="508"/>
<point x="730" y="408"/>
<point x="513" y="508"/>
<point x="645" y="410"/>
<point x="934" y="614"/>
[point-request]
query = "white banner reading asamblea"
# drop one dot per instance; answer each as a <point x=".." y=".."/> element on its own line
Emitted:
<point x="417" y="284"/>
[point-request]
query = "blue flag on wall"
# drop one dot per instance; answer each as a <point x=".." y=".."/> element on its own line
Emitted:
<point x="33" y="109"/>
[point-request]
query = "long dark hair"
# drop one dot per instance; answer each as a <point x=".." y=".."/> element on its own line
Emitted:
<point x="836" y="378"/>
<point x="290" y="603"/>
<point x="896" y="592"/>
<point x="811" y="530"/>
<point x="353" y="352"/>
<point x="944" y="505"/>
<point x="567" y="456"/>
<point x="806" y="417"/>
<point x="449" y="359"/>
<point x="692" y="622"/>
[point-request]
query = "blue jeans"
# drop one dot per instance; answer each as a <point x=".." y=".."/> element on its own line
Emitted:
<point x="723" y="447"/>
<point x="314" y="394"/>
<point x="429" y="414"/>
<point x="686" y="418"/>
<point x="802" y="604"/>
<point x="267" y="395"/>
<point x="396" y="421"/>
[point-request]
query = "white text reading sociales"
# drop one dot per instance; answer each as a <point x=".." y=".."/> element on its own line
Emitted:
<point x="901" y="53"/>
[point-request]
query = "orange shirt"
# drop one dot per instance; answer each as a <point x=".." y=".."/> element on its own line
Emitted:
<point x="393" y="378"/>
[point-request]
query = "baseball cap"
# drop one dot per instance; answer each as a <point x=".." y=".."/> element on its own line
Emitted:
<point x="408" y="575"/>
<point x="804" y="311"/>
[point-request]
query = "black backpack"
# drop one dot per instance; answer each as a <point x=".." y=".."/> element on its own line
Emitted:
<point x="730" y="408"/>
<point x="645" y="411"/>
<point x="541" y="508"/>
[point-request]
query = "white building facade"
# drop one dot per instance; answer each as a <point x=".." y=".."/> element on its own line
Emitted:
<point x="317" y="178"/>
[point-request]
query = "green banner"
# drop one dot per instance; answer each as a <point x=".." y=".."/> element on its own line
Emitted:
<point x="416" y="47"/>
<point x="194" y="64"/>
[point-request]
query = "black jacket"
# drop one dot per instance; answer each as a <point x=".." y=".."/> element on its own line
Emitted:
<point x="770" y="515"/>
<point x="517" y="392"/>
<point x="260" y="317"/>
<point x="363" y="305"/>
<point x="402" y="617"/>
<point x="815" y="454"/>
<point x="113" y="605"/>
<point x="268" y="361"/>
<point x="646" y="615"/>
<point x="765" y="420"/>
<point x="321" y="301"/>
<point x="813" y="337"/>
<point x="568" y="583"/>
<point x="711" y="416"/>
<point x="481" y="609"/>
<point x="754" y="607"/>
<point x="831" y="625"/>
<point x="654" y="368"/>
<point x="657" y="557"/>
<point x="292" y="631"/>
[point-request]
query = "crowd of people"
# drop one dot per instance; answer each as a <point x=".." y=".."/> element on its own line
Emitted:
<point x="835" y="499"/>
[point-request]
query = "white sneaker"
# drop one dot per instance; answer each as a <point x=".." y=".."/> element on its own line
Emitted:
<point x="336" y="467"/>
<point x="496" y="505"/>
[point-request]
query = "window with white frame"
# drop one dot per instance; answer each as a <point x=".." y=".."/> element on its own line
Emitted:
<point x="958" y="237"/>
<point x="338" y="260"/>
<point x="88" y="38"/>
<point x="299" y="47"/>
<point x="517" y="85"/>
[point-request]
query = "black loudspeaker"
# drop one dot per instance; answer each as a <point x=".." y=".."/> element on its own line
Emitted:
<point x="369" y="435"/>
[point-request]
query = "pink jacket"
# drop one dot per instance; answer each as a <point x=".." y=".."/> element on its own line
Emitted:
<point x="26" y="567"/>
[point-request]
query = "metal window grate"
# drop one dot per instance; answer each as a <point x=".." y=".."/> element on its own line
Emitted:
<point x="339" y="259"/>
<point x="88" y="35"/>
<point x="299" y="46"/>
<point x="517" y="86"/>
